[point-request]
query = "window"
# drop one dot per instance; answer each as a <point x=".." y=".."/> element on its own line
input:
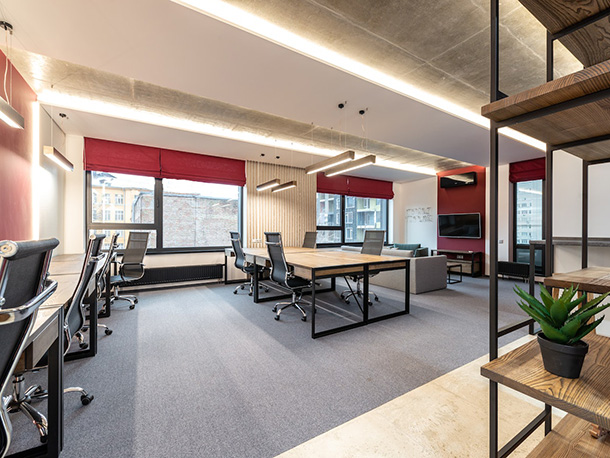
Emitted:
<point x="359" y="214"/>
<point x="179" y="215"/>
<point x="95" y="198"/>
<point x="198" y="214"/>
<point x="527" y="223"/>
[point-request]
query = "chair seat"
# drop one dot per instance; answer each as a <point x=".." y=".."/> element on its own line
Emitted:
<point x="297" y="282"/>
<point x="117" y="280"/>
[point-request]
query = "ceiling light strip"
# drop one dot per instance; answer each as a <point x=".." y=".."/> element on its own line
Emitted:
<point x="58" y="158"/>
<point x="366" y="160"/>
<point x="328" y="163"/>
<point x="258" y="26"/>
<point x="268" y="185"/>
<point x="283" y="187"/>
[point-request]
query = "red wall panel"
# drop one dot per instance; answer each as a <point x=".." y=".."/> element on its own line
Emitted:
<point x="16" y="162"/>
<point x="465" y="199"/>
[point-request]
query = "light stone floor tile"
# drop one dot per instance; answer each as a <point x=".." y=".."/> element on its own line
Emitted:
<point x="447" y="417"/>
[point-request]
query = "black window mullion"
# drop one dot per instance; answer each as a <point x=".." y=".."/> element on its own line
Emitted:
<point x="158" y="218"/>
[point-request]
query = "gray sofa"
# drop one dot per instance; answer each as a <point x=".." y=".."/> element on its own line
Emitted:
<point x="428" y="273"/>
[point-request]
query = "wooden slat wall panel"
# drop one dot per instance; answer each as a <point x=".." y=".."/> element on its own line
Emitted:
<point x="291" y="212"/>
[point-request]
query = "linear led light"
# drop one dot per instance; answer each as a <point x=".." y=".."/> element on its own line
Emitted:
<point x="268" y="185"/>
<point x="10" y="116"/>
<point x="253" y="24"/>
<point x="366" y="160"/>
<point x="283" y="187"/>
<point x="58" y="158"/>
<point x="328" y="163"/>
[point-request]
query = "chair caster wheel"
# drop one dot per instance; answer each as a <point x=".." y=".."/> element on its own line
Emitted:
<point x="376" y="299"/>
<point x="86" y="400"/>
<point x="304" y="318"/>
<point x="235" y="292"/>
<point x="241" y="287"/>
<point x="347" y="301"/>
<point x="266" y="290"/>
<point x="369" y="303"/>
<point x="108" y="332"/>
<point x="132" y="306"/>
<point x="135" y="301"/>
<point x="43" y="439"/>
<point x="277" y="317"/>
<point x="83" y="345"/>
<point x="249" y="294"/>
<point x="274" y="309"/>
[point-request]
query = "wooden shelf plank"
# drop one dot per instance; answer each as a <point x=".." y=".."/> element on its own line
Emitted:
<point x="591" y="44"/>
<point x="582" y="122"/>
<point x="571" y="439"/>
<point x="587" y="397"/>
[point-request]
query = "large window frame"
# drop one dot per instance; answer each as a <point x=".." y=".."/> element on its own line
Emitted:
<point x="157" y="224"/>
<point x="514" y="229"/>
<point x="341" y="227"/>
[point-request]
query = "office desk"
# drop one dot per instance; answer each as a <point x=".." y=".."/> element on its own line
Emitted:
<point x="46" y="336"/>
<point x="590" y="280"/>
<point x="316" y="264"/>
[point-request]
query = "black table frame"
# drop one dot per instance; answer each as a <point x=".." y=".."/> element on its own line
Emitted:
<point x="450" y="281"/>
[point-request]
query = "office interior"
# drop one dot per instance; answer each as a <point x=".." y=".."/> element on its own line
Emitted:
<point x="187" y="120"/>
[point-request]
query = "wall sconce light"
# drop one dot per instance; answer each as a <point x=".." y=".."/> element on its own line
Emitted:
<point x="283" y="187"/>
<point x="366" y="160"/>
<point x="268" y="185"/>
<point x="58" y="158"/>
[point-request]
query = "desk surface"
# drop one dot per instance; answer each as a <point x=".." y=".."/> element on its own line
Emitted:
<point x="591" y="280"/>
<point x="66" y="285"/>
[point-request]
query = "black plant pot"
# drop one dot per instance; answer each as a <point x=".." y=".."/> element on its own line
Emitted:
<point x="563" y="360"/>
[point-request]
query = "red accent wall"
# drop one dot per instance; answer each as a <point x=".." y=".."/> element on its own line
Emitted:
<point x="16" y="162"/>
<point x="466" y="199"/>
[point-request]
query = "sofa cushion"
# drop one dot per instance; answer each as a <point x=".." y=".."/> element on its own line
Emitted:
<point x="407" y="246"/>
<point x="397" y="253"/>
<point x="421" y="252"/>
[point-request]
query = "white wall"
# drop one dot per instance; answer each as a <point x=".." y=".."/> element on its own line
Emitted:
<point x="504" y="188"/>
<point x="74" y="209"/>
<point x="51" y="183"/>
<point x="415" y="210"/>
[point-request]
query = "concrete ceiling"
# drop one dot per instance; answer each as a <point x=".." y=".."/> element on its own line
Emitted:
<point x="172" y="59"/>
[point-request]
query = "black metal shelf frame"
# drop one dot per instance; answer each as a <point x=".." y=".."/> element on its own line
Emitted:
<point x="495" y="94"/>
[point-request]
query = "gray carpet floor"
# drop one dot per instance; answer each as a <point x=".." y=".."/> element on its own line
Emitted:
<point x="200" y="372"/>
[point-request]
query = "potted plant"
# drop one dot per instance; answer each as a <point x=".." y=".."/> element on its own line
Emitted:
<point x="563" y="326"/>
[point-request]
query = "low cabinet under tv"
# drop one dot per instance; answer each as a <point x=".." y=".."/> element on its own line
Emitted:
<point x="472" y="261"/>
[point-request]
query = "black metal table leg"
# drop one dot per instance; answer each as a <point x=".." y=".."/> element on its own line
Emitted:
<point x="56" y="390"/>
<point x="255" y="281"/>
<point x="407" y="286"/>
<point x="313" y="303"/>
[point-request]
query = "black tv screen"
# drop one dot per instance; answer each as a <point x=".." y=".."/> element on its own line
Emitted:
<point x="461" y="179"/>
<point x="460" y="225"/>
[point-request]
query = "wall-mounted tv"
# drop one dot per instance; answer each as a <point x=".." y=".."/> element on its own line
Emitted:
<point x="461" y="179"/>
<point x="460" y="225"/>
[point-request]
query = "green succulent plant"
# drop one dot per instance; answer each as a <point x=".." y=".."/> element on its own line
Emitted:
<point x="560" y="319"/>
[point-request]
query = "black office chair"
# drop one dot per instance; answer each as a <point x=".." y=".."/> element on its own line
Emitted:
<point x="283" y="276"/>
<point x="101" y="277"/>
<point x="310" y="239"/>
<point x="23" y="288"/>
<point x="373" y="244"/>
<point x="74" y="320"/>
<point x="240" y="263"/>
<point x="131" y="267"/>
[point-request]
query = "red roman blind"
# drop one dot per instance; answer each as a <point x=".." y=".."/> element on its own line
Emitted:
<point x="198" y="167"/>
<point x="355" y="186"/>
<point x="109" y="156"/>
<point x="527" y="170"/>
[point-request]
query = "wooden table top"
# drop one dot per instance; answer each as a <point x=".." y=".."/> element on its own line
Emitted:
<point x="591" y="280"/>
<point x="45" y="317"/>
<point x="587" y="397"/>
<point x="66" y="285"/>
<point x="310" y="258"/>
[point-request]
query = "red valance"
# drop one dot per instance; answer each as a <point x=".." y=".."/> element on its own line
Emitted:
<point x="199" y="167"/>
<point x="109" y="156"/>
<point x="355" y="186"/>
<point x="533" y="169"/>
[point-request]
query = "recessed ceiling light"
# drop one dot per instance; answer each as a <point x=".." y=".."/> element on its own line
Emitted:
<point x="258" y="26"/>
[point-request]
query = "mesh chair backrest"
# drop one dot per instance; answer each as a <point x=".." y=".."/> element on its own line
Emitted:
<point x="373" y="242"/>
<point x="240" y="259"/>
<point x="134" y="254"/>
<point x="23" y="271"/>
<point x="75" y="313"/>
<point x="310" y="240"/>
<point x="279" y="268"/>
<point x="110" y="253"/>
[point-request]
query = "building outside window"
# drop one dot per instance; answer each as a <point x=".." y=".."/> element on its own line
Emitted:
<point x="527" y="219"/>
<point x="106" y="198"/>
<point x="118" y="199"/>
<point x="119" y="215"/>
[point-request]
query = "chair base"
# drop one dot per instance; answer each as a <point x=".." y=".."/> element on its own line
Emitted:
<point x="296" y="297"/>
<point x="21" y="400"/>
<point x="250" y="285"/>
<point x="345" y="295"/>
<point x="133" y="300"/>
